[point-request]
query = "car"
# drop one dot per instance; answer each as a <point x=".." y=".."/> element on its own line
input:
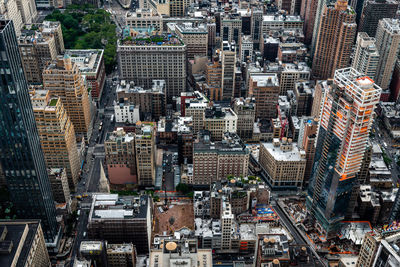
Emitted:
<point x="84" y="234"/>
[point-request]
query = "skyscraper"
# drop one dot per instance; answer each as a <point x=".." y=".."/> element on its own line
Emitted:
<point x="228" y="61"/>
<point x="366" y="56"/>
<point x="336" y="33"/>
<point x="63" y="79"/>
<point x="308" y="13"/>
<point x="57" y="134"/>
<point x="375" y="10"/>
<point x="388" y="44"/>
<point x="21" y="156"/>
<point x="345" y="123"/>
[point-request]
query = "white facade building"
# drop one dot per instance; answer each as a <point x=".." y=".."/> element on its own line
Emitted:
<point x="126" y="112"/>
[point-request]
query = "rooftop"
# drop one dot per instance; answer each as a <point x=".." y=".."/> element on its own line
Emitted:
<point x="129" y="87"/>
<point x="17" y="234"/>
<point x="119" y="135"/>
<point x="152" y="40"/>
<point x="90" y="246"/>
<point x="111" y="207"/>
<point x="120" y="248"/>
<point x="217" y="112"/>
<point x="231" y="143"/>
<point x="191" y="28"/>
<point x="265" y="79"/>
<point x="284" y="152"/>
<point x="88" y="60"/>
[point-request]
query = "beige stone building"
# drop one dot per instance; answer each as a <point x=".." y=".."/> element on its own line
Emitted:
<point x="23" y="244"/>
<point x="144" y="18"/>
<point x="214" y="161"/>
<point x="284" y="163"/>
<point x="145" y="153"/>
<point x="37" y="50"/>
<point x="162" y="57"/>
<point x="53" y="28"/>
<point x="63" y="79"/>
<point x="218" y="121"/>
<point x="195" y="37"/>
<point x="57" y="134"/>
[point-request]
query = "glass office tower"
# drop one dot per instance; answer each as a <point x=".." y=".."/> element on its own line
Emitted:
<point x="345" y="121"/>
<point x="21" y="155"/>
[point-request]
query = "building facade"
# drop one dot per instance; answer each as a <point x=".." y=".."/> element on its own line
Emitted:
<point x="340" y="148"/>
<point x="212" y="162"/>
<point x="336" y="33"/>
<point x="143" y="63"/>
<point x="388" y="45"/>
<point x="57" y="135"/>
<point x="63" y="78"/>
<point x="22" y="159"/>
<point x="366" y="56"/>
<point x="265" y="90"/>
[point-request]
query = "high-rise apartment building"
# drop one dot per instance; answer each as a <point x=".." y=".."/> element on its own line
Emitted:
<point x="334" y="44"/>
<point x="9" y="11"/>
<point x="245" y="109"/>
<point x="91" y="64"/>
<point x="265" y="90"/>
<point x="37" y="51"/>
<point x="53" y="28"/>
<point x="345" y="122"/>
<point x="21" y="156"/>
<point x="366" y="56"/>
<point x="388" y="44"/>
<point x="57" y="134"/>
<point x="145" y="150"/>
<point x="195" y="37"/>
<point x="62" y="78"/>
<point x="228" y="62"/>
<point x="213" y="161"/>
<point x="28" y="10"/>
<point x="307" y="13"/>
<point x="375" y="10"/>
<point x="161" y="58"/>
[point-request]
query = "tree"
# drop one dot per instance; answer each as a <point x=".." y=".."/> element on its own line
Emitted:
<point x="183" y="188"/>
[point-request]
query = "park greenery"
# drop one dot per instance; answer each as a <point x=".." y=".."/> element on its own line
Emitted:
<point x="85" y="27"/>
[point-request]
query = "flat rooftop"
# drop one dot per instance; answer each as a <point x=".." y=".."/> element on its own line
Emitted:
<point x="106" y="206"/>
<point x="88" y="60"/>
<point x="282" y="155"/>
<point x="154" y="40"/>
